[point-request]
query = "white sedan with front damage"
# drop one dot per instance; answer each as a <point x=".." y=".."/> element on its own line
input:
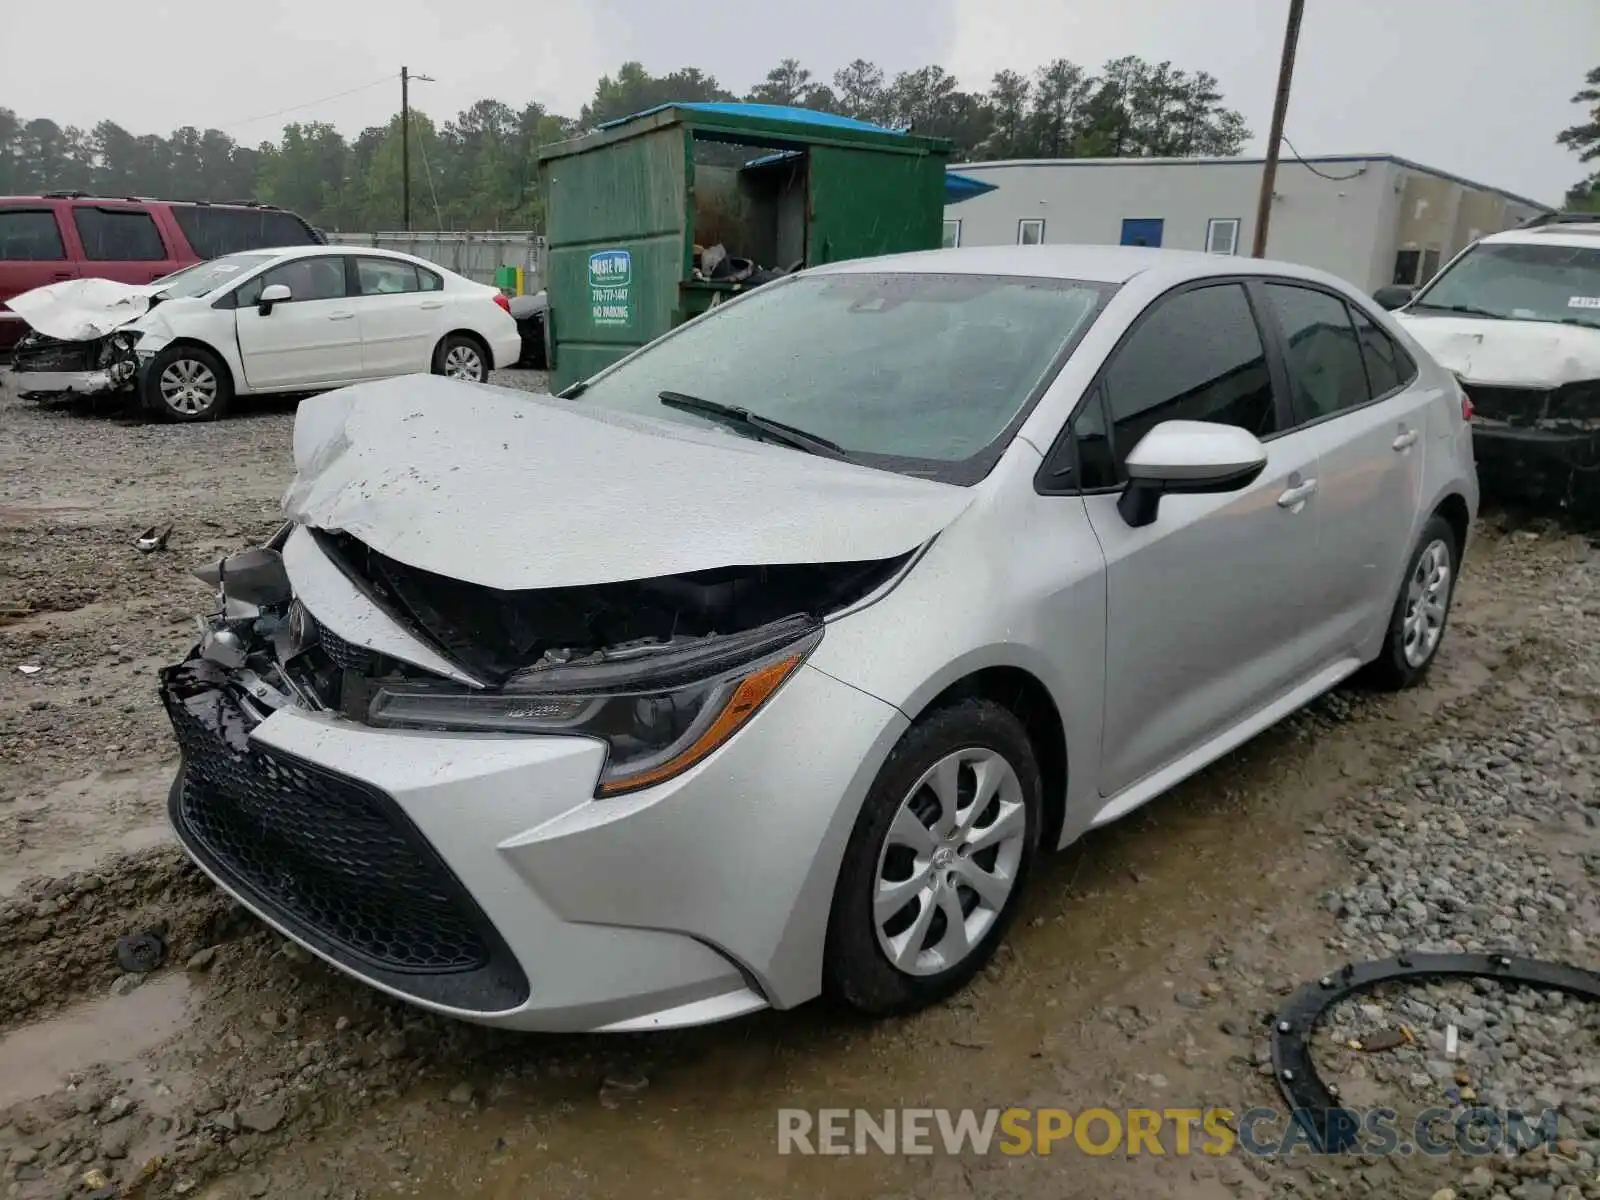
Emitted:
<point x="297" y="320"/>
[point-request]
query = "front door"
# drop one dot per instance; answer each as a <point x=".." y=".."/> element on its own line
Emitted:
<point x="1212" y="610"/>
<point x="310" y="340"/>
<point x="1142" y="231"/>
<point x="1349" y="392"/>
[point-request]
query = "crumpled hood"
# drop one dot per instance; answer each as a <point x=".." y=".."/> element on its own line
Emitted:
<point x="513" y="491"/>
<point x="1530" y="354"/>
<point x="80" y="310"/>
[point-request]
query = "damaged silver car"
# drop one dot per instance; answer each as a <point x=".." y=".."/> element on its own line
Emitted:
<point x="743" y="672"/>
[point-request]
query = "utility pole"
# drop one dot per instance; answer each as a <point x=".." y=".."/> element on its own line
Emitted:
<point x="405" y="143"/>
<point x="1280" y="107"/>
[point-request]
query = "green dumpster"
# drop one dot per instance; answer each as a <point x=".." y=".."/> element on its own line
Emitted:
<point x="627" y="205"/>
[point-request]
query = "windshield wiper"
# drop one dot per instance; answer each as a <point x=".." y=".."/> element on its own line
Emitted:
<point x="776" y="430"/>
<point x="1469" y="309"/>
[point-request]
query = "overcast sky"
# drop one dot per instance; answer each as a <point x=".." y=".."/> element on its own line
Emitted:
<point x="1478" y="87"/>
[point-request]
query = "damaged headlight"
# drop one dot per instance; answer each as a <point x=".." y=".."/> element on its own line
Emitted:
<point x="658" y="714"/>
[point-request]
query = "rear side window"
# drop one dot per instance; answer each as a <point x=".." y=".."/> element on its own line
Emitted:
<point x="1323" y="358"/>
<point x="1389" y="367"/>
<point x="385" y="276"/>
<point x="213" y="232"/>
<point x="1196" y="356"/>
<point x="118" y="234"/>
<point x="30" y="235"/>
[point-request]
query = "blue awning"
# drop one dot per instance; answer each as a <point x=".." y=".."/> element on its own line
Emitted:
<point x="767" y="112"/>
<point x="964" y="187"/>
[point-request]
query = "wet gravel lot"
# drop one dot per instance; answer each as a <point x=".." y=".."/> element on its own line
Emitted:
<point x="1461" y="816"/>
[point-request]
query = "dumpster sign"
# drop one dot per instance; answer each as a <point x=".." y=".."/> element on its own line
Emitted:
<point x="611" y="287"/>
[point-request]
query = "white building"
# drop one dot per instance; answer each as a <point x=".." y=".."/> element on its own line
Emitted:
<point x="1372" y="219"/>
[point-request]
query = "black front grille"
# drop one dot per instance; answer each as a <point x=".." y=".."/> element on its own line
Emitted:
<point x="330" y="858"/>
<point x="1516" y="406"/>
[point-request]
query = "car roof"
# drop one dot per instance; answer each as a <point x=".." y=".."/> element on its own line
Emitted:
<point x="1093" y="264"/>
<point x="1574" y="234"/>
<point x="363" y="251"/>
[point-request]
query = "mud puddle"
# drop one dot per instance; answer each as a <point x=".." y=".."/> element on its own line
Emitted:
<point x="81" y="822"/>
<point x="113" y="1032"/>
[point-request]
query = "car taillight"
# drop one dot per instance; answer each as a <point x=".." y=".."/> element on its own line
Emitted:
<point x="500" y="299"/>
<point x="1466" y="406"/>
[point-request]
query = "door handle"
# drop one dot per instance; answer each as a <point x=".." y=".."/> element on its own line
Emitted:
<point x="433" y="304"/>
<point x="1295" y="496"/>
<point x="62" y="275"/>
<point x="340" y="316"/>
<point x="1406" y="440"/>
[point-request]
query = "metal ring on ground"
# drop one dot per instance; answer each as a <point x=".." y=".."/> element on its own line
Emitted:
<point x="1309" y="1098"/>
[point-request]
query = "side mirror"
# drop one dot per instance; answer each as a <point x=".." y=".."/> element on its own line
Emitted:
<point x="1395" y="295"/>
<point x="1187" y="457"/>
<point x="273" y="293"/>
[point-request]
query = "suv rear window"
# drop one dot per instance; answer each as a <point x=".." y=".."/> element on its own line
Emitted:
<point x="30" y="235"/>
<point x="214" y="232"/>
<point x="118" y="234"/>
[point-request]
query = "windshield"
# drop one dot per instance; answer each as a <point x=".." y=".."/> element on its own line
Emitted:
<point x="918" y="373"/>
<point x="1521" y="282"/>
<point x="208" y="276"/>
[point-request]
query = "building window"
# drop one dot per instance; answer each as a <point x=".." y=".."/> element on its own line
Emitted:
<point x="1030" y="231"/>
<point x="1430" y="265"/>
<point x="1222" y="235"/>
<point x="952" y="234"/>
<point x="1405" y="267"/>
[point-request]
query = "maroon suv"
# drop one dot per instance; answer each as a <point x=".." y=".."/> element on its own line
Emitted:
<point x="71" y="235"/>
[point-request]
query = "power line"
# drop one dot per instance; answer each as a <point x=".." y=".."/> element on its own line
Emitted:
<point x="308" y="104"/>
<point x="1335" y="178"/>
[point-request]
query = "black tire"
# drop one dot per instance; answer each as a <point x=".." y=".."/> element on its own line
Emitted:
<point x="857" y="971"/>
<point x="458" y="347"/>
<point x="209" y="394"/>
<point x="1392" y="670"/>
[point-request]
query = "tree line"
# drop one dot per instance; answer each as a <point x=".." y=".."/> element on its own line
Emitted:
<point x="480" y="170"/>
<point x="1583" y="139"/>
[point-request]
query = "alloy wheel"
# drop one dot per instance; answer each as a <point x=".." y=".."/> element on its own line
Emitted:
<point x="188" y="386"/>
<point x="949" y="861"/>
<point x="463" y="362"/>
<point x="1427" y="602"/>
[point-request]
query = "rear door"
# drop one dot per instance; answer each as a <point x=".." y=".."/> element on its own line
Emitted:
<point x="310" y="340"/>
<point x="399" y="308"/>
<point x="122" y="242"/>
<point x="33" y="253"/>
<point x="1348" y="384"/>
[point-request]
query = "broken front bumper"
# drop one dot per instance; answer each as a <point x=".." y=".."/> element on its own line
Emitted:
<point x="43" y="366"/>
<point x="76" y="383"/>
<point x="1539" y="446"/>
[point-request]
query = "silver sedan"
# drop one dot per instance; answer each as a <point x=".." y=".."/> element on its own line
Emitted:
<point x="763" y="663"/>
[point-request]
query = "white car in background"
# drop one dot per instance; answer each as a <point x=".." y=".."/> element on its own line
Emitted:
<point x="298" y="319"/>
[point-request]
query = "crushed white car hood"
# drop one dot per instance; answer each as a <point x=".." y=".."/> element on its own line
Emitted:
<point x="80" y="310"/>
<point x="513" y="491"/>
<point x="1532" y="354"/>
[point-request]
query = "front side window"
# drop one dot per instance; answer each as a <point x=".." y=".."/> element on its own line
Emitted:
<point x="385" y="276"/>
<point x="1196" y="356"/>
<point x="118" y="234"/>
<point x="1520" y="281"/>
<point x="1030" y="231"/>
<point x="320" y="278"/>
<point x="30" y="235"/>
<point x="1321" y="353"/>
<point x="919" y="373"/>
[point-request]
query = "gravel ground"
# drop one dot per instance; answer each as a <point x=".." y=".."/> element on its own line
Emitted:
<point x="1462" y="815"/>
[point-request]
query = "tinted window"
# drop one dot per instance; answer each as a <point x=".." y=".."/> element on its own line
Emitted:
<point x="909" y="371"/>
<point x="385" y="276"/>
<point x="1196" y="356"/>
<point x="306" y="278"/>
<point x="118" y="234"/>
<point x="1096" y="469"/>
<point x="1326" y="374"/>
<point x="29" y="236"/>
<point x="1388" y="366"/>
<point x="430" y="281"/>
<point x="213" y="232"/>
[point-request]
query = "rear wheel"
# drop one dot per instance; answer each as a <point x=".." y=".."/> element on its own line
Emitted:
<point x="936" y="864"/>
<point x="1421" y="611"/>
<point x="460" y="357"/>
<point x="188" y="383"/>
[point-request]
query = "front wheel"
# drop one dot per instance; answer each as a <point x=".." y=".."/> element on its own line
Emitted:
<point x="462" y="358"/>
<point x="1421" y="611"/>
<point x="935" y="866"/>
<point x="188" y="383"/>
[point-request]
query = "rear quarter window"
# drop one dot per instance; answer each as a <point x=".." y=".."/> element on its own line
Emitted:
<point x="213" y="232"/>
